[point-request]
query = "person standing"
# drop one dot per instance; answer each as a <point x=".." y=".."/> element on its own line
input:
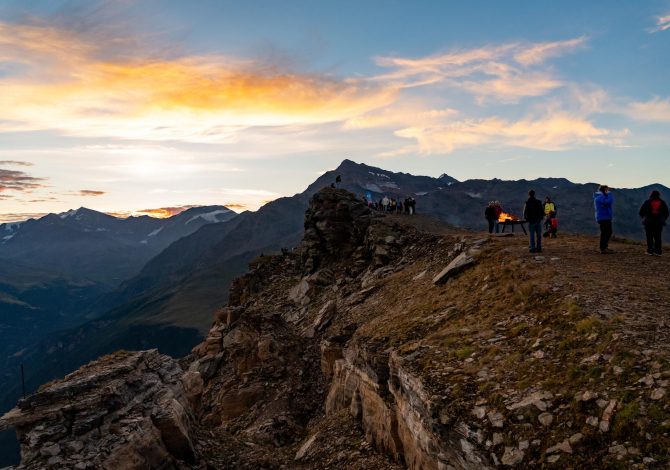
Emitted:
<point x="533" y="212"/>
<point x="499" y="210"/>
<point x="385" y="203"/>
<point x="603" y="201"/>
<point x="654" y="213"/>
<point x="490" y="215"/>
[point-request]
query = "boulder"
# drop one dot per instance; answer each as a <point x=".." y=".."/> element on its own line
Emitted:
<point x="457" y="265"/>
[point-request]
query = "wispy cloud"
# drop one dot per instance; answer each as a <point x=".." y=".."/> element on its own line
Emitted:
<point x="15" y="162"/>
<point x="20" y="216"/>
<point x="11" y="180"/>
<point x="90" y="192"/>
<point x="550" y="133"/>
<point x="66" y="86"/>
<point x="538" y="53"/>
<point x="505" y="72"/>
<point x="656" y="109"/>
<point x="662" y="23"/>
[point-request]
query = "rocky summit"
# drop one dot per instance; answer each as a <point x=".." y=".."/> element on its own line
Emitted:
<point x="389" y="341"/>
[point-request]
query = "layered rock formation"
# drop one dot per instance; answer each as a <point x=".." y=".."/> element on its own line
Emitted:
<point x="375" y="345"/>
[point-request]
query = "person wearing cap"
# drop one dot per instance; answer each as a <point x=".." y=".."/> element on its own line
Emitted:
<point x="603" y="201"/>
<point x="654" y="214"/>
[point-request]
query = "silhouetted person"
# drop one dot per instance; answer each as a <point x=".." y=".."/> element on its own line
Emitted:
<point x="603" y="201"/>
<point x="533" y="212"/>
<point x="490" y="215"/>
<point x="338" y="180"/>
<point x="654" y="213"/>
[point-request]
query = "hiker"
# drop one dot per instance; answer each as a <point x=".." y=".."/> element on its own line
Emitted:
<point x="412" y="206"/>
<point x="549" y="211"/>
<point x="338" y="180"/>
<point x="533" y="212"/>
<point x="654" y="213"/>
<point x="490" y="215"/>
<point x="550" y="221"/>
<point x="385" y="203"/>
<point x="603" y="201"/>
<point x="499" y="211"/>
<point x="399" y="207"/>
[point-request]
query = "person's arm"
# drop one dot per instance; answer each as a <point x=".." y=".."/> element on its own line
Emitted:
<point x="525" y="211"/>
<point x="643" y="209"/>
<point x="665" y="211"/>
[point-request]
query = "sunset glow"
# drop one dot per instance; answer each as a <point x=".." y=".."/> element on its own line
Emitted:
<point x="147" y="104"/>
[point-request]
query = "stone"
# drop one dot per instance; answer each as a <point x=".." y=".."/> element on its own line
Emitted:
<point x="304" y="448"/>
<point x="479" y="411"/>
<point x="592" y="421"/>
<point x="172" y="421"/>
<point x="497" y="438"/>
<point x="606" y="418"/>
<point x="457" y="265"/>
<point x="657" y="394"/>
<point x="512" y="457"/>
<point x="420" y="275"/>
<point x="536" y="399"/>
<point x="546" y="419"/>
<point x="496" y="419"/>
<point x="575" y="438"/>
<point x="50" y="449"/>
<point x="553" y="458"/>
<point x="561" y="447"/>
<point x="523" y="445"/>
<point x="539" y="354"/>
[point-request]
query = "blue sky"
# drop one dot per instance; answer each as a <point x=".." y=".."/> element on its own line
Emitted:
<point x="125" y="106"/>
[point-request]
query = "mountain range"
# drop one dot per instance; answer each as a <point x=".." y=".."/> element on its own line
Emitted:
<point x="140" y="283"/>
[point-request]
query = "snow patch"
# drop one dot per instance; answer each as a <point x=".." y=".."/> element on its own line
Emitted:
<point x="373" y="187"/>
<point x="209" y="216"/>
<point x="155" y="232"/>
<point x="67" y="214"/>
<point x="422" y="193"/>
<point x="8" y="237"/>
<point x="475" y="195"/>
<point x="390" y="184"/>
<point x="102" y="230"/>
<point x="144" y="242"/>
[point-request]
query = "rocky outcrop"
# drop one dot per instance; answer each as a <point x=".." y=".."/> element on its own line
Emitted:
<point x="398" y="415"/>
<point x="127" y="410"/>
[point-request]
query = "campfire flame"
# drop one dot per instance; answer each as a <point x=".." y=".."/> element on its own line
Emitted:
<point x="504" y="216"/>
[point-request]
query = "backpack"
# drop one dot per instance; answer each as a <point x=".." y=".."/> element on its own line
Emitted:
<point x="655" y="207"/>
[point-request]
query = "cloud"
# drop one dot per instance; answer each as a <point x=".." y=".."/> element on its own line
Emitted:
<point x="392" y="117"/>
<point x="90" y="192"/>
<point x="540" y="52"/>
<point x="656" y="109"/>
<point x="486" y="72"/>
<point x="66" y="86"/>
<point x="235" y="206"/>
<point x="549" y="133"/>
<point x="15" y="162"/>
<point x="20" y="216"/>
<point x="11" y="180"/>
<point x="662" y="23"/>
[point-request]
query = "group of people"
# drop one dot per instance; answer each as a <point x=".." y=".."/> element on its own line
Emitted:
<point x="653" y="212"/>
<point x="392" y="205"/>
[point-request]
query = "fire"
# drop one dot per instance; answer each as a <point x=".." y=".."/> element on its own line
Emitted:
<point x="504" y="216"/>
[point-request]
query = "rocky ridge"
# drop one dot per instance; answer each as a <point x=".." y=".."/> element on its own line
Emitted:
<point x="379" y="345"/>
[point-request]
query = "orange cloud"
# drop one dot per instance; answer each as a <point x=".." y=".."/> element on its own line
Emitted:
<point x="538" y="53"/>
<point x="190" y="98"/>
<point x="90" y="192"/>
<point x="551" y="133"/>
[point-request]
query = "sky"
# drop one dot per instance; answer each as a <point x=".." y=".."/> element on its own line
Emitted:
<point x="150" y="106"/>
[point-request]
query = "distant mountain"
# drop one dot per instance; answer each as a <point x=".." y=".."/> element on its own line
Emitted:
<point x="169" y="301"/>
<point x="101" y="248"/>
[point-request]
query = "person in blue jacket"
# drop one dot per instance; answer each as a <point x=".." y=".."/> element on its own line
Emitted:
<point x="603" y="201"/>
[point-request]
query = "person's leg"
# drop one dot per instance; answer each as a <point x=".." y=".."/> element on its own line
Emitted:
<point x="658" y="239"/>
<point x="603" y="234"/>
<point x="649" y="232"/>
<point x="538" y="236"/>
<point x="497" y="225"/>
<point x="490" y="225"/>
<point x="531" y="234"/>
<point x="608" y="225"/>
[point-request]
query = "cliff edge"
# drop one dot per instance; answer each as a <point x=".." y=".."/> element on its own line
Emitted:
<point x="389" y="341"/>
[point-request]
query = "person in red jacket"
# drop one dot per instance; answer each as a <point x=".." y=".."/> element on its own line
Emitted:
<point x="654" y="214"/>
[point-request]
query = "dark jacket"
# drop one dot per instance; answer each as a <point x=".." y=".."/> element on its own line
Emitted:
<point x="603" y="204"/>
<point x="654" y="212"/>
<point x="533" y="211"/>
<point x="490" y="213"/>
